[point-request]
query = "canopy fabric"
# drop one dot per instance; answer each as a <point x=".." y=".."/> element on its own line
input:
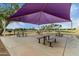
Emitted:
<point x="43" y="13"/>
<point x="40" y="18"/>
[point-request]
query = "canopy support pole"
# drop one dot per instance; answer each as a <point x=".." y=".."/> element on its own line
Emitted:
<point x="71" y="25"/>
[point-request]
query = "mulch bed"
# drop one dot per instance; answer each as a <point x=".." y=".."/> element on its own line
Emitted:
<point x="3" y="50"/>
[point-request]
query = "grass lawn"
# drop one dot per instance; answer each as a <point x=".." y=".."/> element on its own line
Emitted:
<point x="31" y="33"/>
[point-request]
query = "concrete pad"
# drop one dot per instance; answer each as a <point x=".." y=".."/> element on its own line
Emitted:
<point x="29" y="46"/>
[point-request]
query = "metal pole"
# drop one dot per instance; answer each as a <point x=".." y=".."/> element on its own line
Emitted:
<point x="39" y="29"/>
<point x="71" y="25"/>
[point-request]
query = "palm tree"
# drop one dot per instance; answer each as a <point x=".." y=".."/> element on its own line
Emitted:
<point x="6" y="11"/>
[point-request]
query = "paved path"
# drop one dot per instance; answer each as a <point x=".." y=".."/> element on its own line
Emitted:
<point x="72" y="47"/>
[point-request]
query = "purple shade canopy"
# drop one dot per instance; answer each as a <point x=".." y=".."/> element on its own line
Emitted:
<point x="40" y="18"/>
<point x="43" y="13"/>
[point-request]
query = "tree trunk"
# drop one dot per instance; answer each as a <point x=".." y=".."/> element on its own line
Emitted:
<point x="1" y="31"/>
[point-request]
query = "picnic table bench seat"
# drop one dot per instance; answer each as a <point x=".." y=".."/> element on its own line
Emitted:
<point x="51" y="40"/>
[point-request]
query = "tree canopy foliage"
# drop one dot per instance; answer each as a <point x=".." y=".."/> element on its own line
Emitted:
<point x="7" y="9"/>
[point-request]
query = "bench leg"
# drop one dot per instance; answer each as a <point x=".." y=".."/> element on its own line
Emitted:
<point x="50" y="44"/>
<point x="44" y="41"/>
<point x="55" y="40"/>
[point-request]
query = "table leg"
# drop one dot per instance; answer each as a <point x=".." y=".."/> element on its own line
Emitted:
<point x="38" y="40"/>
<point x="44" y="40"/>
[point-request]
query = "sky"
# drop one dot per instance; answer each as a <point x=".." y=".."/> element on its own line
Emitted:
<point x="74" y="14"/>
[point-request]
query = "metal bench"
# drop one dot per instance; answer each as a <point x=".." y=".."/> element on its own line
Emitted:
<point x="51" y="40"/>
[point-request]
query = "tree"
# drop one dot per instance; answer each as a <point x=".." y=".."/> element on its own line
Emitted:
<point x="51" y="27"/>
<point x="6" y="11"/>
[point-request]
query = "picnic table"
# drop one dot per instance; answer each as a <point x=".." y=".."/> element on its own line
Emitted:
<point x="21" y="34"/>
<point x="46" y="38"/>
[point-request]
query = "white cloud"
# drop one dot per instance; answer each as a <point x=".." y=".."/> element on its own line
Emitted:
<point x="75" y="23"/>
